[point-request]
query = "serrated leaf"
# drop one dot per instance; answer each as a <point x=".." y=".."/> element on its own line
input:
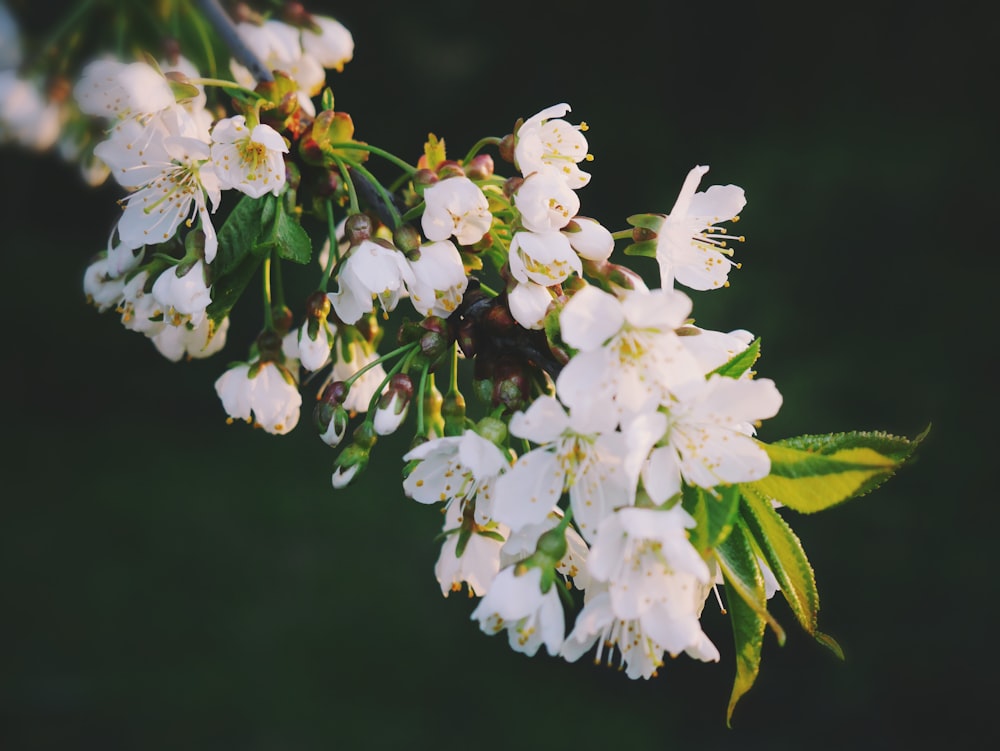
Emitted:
<point x="745" y="593"/>
<point x="239" y="235"/>
<point x="292" y="242"/>
<point x="811" y="473"/>
<point x="227" y="290"/>
<point x="741" y="362"/>
<point x="783" y="552"/>
<point x="715" y="514"/>
<point x="738" y="562"/>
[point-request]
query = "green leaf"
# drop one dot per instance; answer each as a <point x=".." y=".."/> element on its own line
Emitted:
<point x="813" y="472"/>
<point x="715" y="511"/>
<point x="741" y="362"/>
<point x="227" y="290"/>
<point x="292" y="242"/>
<point x="747" y="611"/>
<point x="239" y="236"/>
<point x="783" y="552"/>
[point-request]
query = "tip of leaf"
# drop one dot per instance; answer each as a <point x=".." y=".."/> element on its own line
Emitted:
<point x="830" y="643"/>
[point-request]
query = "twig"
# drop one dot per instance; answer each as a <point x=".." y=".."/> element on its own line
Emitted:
<point x="226" y="29"/>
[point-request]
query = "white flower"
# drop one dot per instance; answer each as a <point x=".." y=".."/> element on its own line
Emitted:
<point x="589" y="238"/>
<point x="172" y="176"/>
<point x="705" y="437"/>
<point x="140" y="310"/>
<point x="690" y="247"/>
<point x="455" y="207"/>
<point x="348" y="359"/>
<point x="194" y="341"/>
<point x="279" y="47"/>
<point x="522" y="543"/>
<point x="249" y="160"/>
<point x="528" y="303"/>
<point x="26" y="115"/>
<point x="332" y="47"/>
<point x="545" y="201"/>
<point x="477" y="566"/>
<point x="517" y="603"/>
<point x="544" y="258"/>
<point x="629" y="355"/>
<point x="314" y="353"/>
<point x="654" y="576"/>
<point x="439" y="279"/>
<point x="390" y="416"/>
<point x="456" y="468"/>
<point x="185" y="296"/>
<point x="582" y="455"/>
<point x="371" y="270"/>
<point x="103" y="287"/>
<point x="115" y="90"/>
<point x="262" y="393"/>
<point x="545" y="140"/>
<point x="713" y="349"/>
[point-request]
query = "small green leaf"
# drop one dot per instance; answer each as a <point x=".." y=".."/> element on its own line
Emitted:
<point x="741" y="362"/>
<point x="813" y="472"/>
<point x="715" y="511"/>
<point x="227" y="290"/>
<point x="745" y="598"/>
<point x="784" y="555"/>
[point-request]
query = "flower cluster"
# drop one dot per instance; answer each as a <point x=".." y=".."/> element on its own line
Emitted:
<point x="607" y="478"/>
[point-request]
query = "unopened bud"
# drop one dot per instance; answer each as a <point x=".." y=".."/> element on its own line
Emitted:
<point x="358" y="227"/>
<point x="450" y="168"/>
<point x="506" y="147"/>
<point x="453" y="411"/>
<point x="318" y="305"/>
<point x="350" y="463"/>
<point x="406" y="238"/>
<point x="511" y="184"/>
<point x="393" y="404"/>
<point x="492" y="429"/>
<point x="479" y="167"/>
<point x="331" y="422"/>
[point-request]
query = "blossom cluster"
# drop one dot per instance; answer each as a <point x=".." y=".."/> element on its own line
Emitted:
<point x="613" y="480"/>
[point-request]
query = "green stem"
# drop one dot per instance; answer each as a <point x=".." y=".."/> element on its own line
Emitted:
<point x="203" y="36"/>
<point x="279" y="285"/>
<point x="453" y="378"/>
<point x="373" y="402"/>
<point x="346" y="174"/>
<point x="224" y="84"/>
<point x="403" y="165"/>
<point x="386" y="197"/>
<point x="420" y="401"/>
<point x="266" y="269"/>
<point x="624" y="234"/>
<point x="334" y="255"/>
<point x="478" y="145"/>
<point x="413" y="213"/>
<point x="380" y="360"/>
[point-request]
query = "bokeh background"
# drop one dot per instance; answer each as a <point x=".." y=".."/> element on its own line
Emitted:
<point x="172" y="582"/>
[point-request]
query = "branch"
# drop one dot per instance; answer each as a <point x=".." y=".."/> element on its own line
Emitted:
<point x="226" y="29"/>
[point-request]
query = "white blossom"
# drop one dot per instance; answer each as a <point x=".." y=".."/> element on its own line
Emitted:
<point x="332" y="47"/>
<point x="545" y="258"/>
<point x="262" y="393"/>
<point x="370" y="271"/>
<point x="545" y="139"/>
<point x="690" y="246"/>
<point x="516" y="603"/>
<point x="191" y="340"/>
<point x="248" y="159"/>
<point x="455" y="207"/>
<point x="439" y="279"/>
<point x="545" y="201"/>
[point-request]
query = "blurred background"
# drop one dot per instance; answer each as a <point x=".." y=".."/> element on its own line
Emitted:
<point x="170" y="581"/>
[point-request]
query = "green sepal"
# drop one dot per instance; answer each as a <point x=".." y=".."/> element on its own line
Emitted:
<point x="741" y="362"/>
<point x="811" y="473"/>
<point x="643" y="248"/>
<point x="782" y="550"/>
<point x="715" y="511"/>
<point x="747" y="611"/>
<point x="463" y="539"/>
<point x="652" y="222"/>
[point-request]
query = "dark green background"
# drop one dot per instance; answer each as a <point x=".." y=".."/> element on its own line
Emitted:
<point x="171" y="582"/>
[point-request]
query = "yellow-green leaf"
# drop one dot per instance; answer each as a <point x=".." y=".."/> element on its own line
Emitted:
<point x="812" y="473"/>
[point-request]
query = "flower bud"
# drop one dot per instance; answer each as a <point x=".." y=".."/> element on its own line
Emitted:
<point x="424" y="178"/>
<point x="479" y="167"/>
<point x="510" y="385"/>
<point x="449" y="168"/>
<point x="358" y="227"/>
<point x="506" y="147"/>
<point x="433" y="422"/>
<point x="511" y="184"/>
<point x="365" y="435"/>
<point x="492" y="429"/>
<point x="350" y="463"/>
<point x="406" y="238"/>
<point x="318" y="305"/>
<point x="453" y="411"/>
<point x="331" y="421"/>
<point x="552" y="545"/>
<point x="393" y="404"/>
